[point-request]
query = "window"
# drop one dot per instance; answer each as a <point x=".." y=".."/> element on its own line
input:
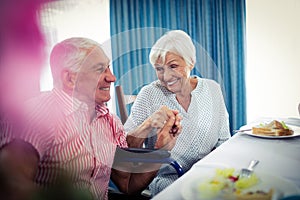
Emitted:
<point x="73" y="18"/>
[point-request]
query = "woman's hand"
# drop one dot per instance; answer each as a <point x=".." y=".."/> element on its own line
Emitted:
<point x="167" y="123"/>
<point x="160" y="117"/>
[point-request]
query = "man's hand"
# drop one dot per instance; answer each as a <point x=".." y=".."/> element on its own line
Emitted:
<point x="166" y="124"/>
<point x="160" y="117"/>
<point x="169" y="129"/>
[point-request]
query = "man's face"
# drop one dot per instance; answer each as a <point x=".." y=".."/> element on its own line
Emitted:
<point x="94" y="79"/>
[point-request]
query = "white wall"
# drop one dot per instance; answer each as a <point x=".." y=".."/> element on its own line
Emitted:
<point x="273" y="58"/>
<point x="88" y="18"/>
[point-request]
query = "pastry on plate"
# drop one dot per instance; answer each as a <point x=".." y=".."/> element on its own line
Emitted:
<point x="274" y="128"/>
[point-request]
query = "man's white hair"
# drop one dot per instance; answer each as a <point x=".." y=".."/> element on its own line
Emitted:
<point x="69" y="54"/>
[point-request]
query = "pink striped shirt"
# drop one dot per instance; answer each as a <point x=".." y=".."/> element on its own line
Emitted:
<point x="60" y="130"/>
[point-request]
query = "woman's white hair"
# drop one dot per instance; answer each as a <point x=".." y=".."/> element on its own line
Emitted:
<point x="69" y="54"/>
<point x="177" y="42"/>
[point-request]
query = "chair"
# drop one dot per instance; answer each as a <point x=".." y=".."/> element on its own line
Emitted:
<point x="123" y="100"/>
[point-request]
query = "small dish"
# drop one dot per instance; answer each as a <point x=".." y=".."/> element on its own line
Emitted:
<point x="296" y="130"/>
<point x="282" y="188"/>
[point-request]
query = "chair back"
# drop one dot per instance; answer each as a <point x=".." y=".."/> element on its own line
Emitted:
<point x="123" y="100"/>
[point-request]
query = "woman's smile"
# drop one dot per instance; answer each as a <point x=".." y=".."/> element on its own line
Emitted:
<point x="170" y="83"/>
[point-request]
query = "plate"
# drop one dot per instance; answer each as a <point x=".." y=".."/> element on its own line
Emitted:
<point x="282" y="188"/>
<point x="210" y="165"/>
<point x="292" y="121"/>
<point x="296" y="130"/>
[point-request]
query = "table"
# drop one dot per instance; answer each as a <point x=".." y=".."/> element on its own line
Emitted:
<point x="280" y="157"/>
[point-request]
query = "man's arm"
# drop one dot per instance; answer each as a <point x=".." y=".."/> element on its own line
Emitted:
<point x="18" y="167"/>
<point x="157" y="120"/>
<point x="134" y="183"/>
<point x="133" y="178"/>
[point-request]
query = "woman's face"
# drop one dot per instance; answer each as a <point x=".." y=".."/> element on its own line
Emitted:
<point x="174" y="73"/>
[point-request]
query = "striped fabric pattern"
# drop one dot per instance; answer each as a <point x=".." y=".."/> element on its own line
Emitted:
<point x="71" y="144"/>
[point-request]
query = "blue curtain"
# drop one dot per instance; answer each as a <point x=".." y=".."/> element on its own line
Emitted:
<point x="217" y="28"/>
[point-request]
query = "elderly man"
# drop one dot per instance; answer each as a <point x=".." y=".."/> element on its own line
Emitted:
<point x="69" y="132"/>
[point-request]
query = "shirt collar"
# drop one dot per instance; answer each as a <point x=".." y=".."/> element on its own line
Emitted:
<point x="101" y="110"/>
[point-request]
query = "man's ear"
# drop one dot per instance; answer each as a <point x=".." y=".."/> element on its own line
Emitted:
<point x="68" y="79"/>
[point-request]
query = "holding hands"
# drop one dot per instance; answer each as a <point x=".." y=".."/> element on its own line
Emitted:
<point x="164" y="122"/>
<point x="167" y="125"/>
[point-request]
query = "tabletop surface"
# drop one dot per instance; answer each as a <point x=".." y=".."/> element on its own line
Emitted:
<point x="278" y="157"/>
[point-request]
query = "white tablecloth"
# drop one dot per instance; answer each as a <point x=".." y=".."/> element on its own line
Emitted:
<point x="280" y="157"/>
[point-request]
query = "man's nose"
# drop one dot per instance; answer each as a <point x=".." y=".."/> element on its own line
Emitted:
<point x="109" y="76"/>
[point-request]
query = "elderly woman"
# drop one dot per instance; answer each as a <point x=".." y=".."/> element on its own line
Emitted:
<point x="200" y="103"/>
